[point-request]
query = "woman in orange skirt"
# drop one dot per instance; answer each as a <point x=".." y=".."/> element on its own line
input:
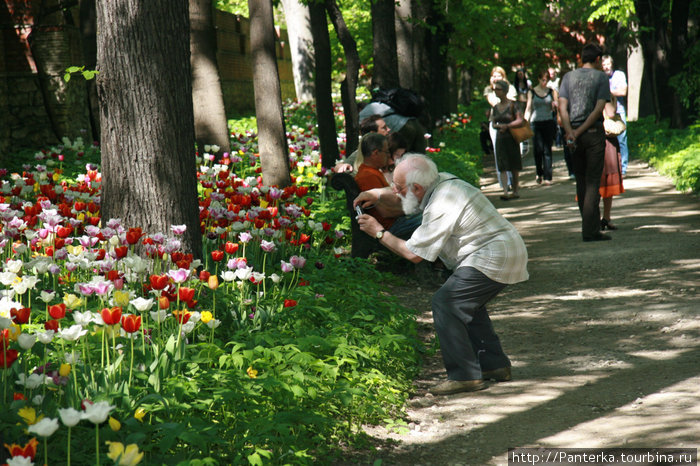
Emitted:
<point x="611" y="179"/>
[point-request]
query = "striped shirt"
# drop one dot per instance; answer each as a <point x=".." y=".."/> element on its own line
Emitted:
<point x="463" y="228"/>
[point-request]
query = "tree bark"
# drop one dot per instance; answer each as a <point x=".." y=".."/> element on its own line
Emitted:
<point x="404" y="44"/>
<point x="145" y="94"/>
<point x="328" y="138"/>
<point x="301" y="46"/>
<point x="272" y="138"/>
<point x="386" y="68"/>
<point x="349" y="85"/>
<point x="210" y="123"/>
<point x="680" y="11"/>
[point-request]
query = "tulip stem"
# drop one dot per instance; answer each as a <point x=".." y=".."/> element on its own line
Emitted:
<point x="69" y="429"/>
<point x="97" y="444"/>
<point x="131" y="365"/>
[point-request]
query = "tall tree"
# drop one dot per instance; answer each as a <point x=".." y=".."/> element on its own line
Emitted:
<point x="386" y="67"/>
<point x="210" y="123"/>
<point x="327" y="135"/>
<point x="301" y="46"/>
<point x="272" y="139"/>
<point x="148" y="164"/>
<point x="88" y="34"/>
<point x="348" y="86"/>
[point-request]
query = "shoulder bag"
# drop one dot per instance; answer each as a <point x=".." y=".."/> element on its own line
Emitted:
<point x="614" y="126"/>
<point x="522" y="132"/>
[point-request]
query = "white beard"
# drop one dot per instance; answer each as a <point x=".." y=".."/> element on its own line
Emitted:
<point x="410" y="203"/>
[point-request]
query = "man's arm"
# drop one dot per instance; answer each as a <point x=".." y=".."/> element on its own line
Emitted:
<point x="378" y="196"/>
<point x="369" y="225"/>
<point x="594" y="116"/>
<point x="564" y="115"/>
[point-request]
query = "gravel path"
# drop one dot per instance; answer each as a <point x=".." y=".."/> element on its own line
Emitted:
<point x="604" y="337"/>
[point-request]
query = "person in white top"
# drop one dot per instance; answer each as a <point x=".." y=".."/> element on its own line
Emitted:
<point x="485" y="252"/>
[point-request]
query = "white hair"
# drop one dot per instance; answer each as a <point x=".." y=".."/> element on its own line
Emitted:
<point x="420" y="169"/>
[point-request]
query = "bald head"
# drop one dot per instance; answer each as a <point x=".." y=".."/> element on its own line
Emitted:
<point x="416" y="169"/>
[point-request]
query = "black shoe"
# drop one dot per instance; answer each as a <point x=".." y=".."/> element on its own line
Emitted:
<point x="598" y="237"/>
<point x="502" y="374"/>
<point x="606" y="224"/>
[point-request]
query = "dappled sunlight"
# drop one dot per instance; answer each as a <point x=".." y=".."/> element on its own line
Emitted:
<point x="669" y="418"/>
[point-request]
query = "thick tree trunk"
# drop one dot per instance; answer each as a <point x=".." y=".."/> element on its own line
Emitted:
<point x="328" y="138"/>
<point x="148" y="164"/>
<point x="635" y="75"/>
<point x="352" y="68"/>
<point x="210" y="123"/>
<point x="386" y="68"/>
<point x="272" y="138"/>
<point x="302" y="48"/>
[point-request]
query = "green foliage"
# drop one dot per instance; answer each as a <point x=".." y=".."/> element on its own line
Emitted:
<point x="619" y="11"/>
<point x="687" y="83"/>
<point x="86" y="74"/>
<point x="673" y="152"/>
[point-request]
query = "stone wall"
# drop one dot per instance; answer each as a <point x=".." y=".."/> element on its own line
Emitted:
<point x="235" y="65"/>
<point x="37" y="107"/>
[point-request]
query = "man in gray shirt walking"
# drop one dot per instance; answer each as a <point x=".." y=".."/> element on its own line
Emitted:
<point x="582" y="96"/>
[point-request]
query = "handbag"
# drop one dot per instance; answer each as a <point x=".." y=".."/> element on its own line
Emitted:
<point x="614" y="126"/>
<point x="522" y="132"/>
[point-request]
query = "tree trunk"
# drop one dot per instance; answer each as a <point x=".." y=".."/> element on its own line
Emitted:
<point x="302" y="48"/>
<point x="272" y="139"/>
<point x="404" y="44"/>
<point x="680" y="11"/>
<point x="349" y="85"/>
<point x="464" y="95"/>
<point x="210" y="123"/>
<point x="145" y="94"/>
<point x="328" y="138"/>
<point x="635" y="76"/>
<point x="88" y="33"/>
<point x="386" y="68"/>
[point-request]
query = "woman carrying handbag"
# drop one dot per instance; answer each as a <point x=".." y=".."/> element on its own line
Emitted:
<point x="505" y="115"/>
<point x="541" y="105"/>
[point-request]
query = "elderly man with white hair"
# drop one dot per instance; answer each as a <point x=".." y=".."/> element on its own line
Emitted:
<point x="484" y="251"/>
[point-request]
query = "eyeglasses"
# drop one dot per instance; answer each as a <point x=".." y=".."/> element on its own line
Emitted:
<point x="397" y="188"/>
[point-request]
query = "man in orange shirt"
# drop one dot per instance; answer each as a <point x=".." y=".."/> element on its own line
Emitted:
<point x="375" y="149"/>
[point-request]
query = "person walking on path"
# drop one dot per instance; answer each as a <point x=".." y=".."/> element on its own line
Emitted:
<point x="582" y="97"/>
<point x="505" y="114"/>
<point x="486" y="253"/>
<point x="497" y="74"/>
<point x="541" y="111"/>
<point x="618" y="88"/>
<point x="611" y="180"/>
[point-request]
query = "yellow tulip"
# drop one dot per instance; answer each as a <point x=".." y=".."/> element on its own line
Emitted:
<point x="206" y="316"/>
<point x="264" y="203"/>
<point x="14" y="332"/>
<point x="121" y="298"/>
<point x="128" y="456"/>
<point x="56" y="176"/>
<point x="64" y="370"/>
<point x="28" y="414"/>
<point x="72" y="301"/>
<point x="139" y="414"/>
<point x="114" y="424"/>
<point x="252" y="373"/>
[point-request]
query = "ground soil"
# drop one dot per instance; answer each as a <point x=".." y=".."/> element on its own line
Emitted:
<point x="604" y="337"/>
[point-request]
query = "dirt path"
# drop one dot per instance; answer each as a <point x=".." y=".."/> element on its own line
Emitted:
<point x="604" y="337"/>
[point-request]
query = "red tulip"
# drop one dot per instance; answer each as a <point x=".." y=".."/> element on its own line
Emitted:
<point x="64" y="232"/>
<point x="163" y="303"/>
<point x="20" y="316"/>
<point x="204" y="275"/>
<point x="290" y="302"/>
<point x="131" y="323"/>
<point x="182" y="316"/>
<point x="121" y="251"/>
<point x="111" y="316"/>
<point x="7" y="357"/>
<point x="185" y="294"/>
<point x="51" y="325"/>
<point x="158" y="282"/>
<point x="57" y="311"/>
<point x="217" y="255"/>
<point x="27" y="451"/>
<point x="133" y="235"/>
<point x="231" y="248"/>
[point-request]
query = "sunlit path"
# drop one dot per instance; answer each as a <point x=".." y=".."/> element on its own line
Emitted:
<point x="604" y="337"/>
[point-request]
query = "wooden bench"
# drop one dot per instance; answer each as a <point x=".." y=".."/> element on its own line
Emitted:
<point x="362" y="244"/>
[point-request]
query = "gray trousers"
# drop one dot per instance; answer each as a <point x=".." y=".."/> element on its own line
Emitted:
<point x="467" y="339"/>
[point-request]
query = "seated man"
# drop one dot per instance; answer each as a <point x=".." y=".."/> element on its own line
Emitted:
<point x="371" y="124"/>
<point x="375" y="148"/>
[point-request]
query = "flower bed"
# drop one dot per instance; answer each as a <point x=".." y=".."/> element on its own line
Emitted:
<point x="117" y="347"/>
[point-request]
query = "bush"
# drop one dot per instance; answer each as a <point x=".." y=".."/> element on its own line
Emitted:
<point x="673" y="152"/>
